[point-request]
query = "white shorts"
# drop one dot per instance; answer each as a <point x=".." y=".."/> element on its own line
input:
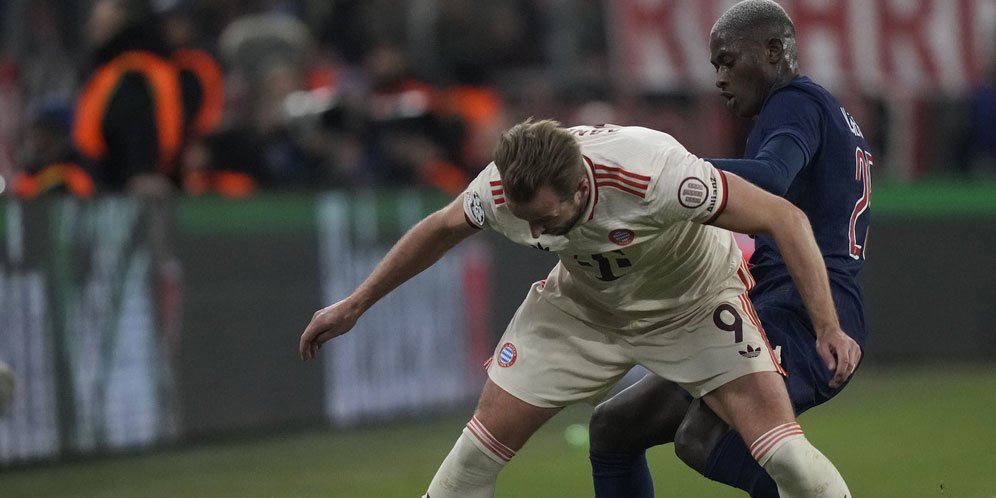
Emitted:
<point x="549" y="359"/>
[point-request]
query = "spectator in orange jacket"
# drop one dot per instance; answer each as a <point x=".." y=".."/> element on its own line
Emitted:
<point x="129" y="118"/>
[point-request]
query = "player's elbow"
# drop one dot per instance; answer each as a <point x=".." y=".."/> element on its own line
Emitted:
<point x="793" y="215"/>
<point x="786" y="214"/>
<point x="781" y="217"/>
<point x="789" y="220"/>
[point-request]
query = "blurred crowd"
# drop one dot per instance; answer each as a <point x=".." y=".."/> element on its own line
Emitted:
<point x="231" y="97"/>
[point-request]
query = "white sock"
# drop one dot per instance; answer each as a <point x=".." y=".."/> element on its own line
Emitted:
<point x="471" y="469"/>
<point x="798" y="468"/>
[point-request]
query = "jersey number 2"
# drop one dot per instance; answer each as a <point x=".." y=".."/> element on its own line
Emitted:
<point x="862" y="173"/>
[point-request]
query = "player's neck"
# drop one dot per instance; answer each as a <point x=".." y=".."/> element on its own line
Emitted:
<point x="784" y="78"/>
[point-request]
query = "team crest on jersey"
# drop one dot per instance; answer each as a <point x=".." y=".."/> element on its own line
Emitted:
<point x="474" y="208"/>
<point x="507" y="355"/>
<point x="692" y="193"/>
<point x="622" y="236"/>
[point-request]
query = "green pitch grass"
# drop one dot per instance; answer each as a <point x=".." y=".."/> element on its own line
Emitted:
<point x="893" y="434"/>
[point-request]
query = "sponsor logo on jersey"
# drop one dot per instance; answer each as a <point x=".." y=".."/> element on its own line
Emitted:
<point x="474" y="208"/>
<point x="715" y="190"/>
<point x="692" y="193"/>
<point x="507" y="355"/>
<point x="751" y="352"/>
<point x="622" y="236"/>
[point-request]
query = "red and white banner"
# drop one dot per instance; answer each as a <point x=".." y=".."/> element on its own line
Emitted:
<point x="877" y="46"/>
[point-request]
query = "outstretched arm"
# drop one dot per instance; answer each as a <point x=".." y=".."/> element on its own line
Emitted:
<point x="751" y="210"/>
<point x="417" y="250"/>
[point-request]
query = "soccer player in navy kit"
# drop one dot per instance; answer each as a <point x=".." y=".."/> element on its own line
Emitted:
<point x="806" y="148"/>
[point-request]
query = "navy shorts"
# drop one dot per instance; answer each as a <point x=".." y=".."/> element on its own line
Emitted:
<point x="788" y="326"/>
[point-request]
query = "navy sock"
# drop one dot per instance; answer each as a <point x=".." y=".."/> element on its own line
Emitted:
<point x="732" y="464"/>
<point x="621" y="474"/>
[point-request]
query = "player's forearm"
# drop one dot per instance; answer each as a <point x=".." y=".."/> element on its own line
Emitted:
<point x="417" y="250"/>
<point x="805" y="263"/>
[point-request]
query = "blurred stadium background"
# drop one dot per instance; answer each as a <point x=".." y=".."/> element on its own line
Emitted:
<point x="153" y="334"/>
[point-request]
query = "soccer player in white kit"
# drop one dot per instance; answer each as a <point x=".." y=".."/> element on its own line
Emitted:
<point x="647" y="276"/>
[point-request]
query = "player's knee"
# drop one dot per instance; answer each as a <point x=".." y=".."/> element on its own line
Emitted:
<point x="697" y="437"/>
<point x="691" y="448"/>
<point x="644" y="415"/>
<point x="622" y="426"/>
<point x="610" y="427"/>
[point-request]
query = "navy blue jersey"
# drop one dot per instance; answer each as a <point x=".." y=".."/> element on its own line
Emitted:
<point x="833" y="188"/>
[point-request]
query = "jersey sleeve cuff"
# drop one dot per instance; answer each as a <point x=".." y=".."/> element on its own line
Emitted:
<point x="723" y="195"/>
<point x="471" y="222"/>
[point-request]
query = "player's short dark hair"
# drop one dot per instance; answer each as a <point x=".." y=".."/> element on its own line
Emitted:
<point x="533" y="154"/>
<point x="756" y="18"/>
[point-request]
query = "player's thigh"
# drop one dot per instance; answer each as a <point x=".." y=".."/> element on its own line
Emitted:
<point x="752" y="404"/>
<point x="644" y="414"/>
<point x="550" y="359"/>
<point x="723" y="342"/>
<point x="509" y="419"/>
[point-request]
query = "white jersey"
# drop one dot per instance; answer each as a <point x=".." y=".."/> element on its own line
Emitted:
<point x="641" y="254"/>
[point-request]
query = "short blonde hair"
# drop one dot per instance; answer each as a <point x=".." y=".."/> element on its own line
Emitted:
<point x="533" y="154"/>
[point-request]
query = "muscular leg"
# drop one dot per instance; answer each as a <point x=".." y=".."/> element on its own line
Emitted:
<point x="645" y="414"/>
<point x="708" y="445"/>
<point x="723" y="456"/>
<point x="699" y="432"/>
<point x="758" y="407"/>
<point x="500" y="427"/>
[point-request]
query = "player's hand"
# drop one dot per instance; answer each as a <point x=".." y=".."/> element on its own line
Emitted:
<point x="840" y="353"/>
<point x="326" y="324"/>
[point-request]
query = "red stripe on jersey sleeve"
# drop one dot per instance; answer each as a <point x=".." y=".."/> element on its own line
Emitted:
<point x="618" y="178"/>
<point x="469" y="222"/>
<point x="722" y="202"/>
<point x="622" y="171"/>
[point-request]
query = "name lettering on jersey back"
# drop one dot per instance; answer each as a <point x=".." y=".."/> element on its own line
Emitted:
<point x="594" y="130"/>
<point x="851" y="123"/>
